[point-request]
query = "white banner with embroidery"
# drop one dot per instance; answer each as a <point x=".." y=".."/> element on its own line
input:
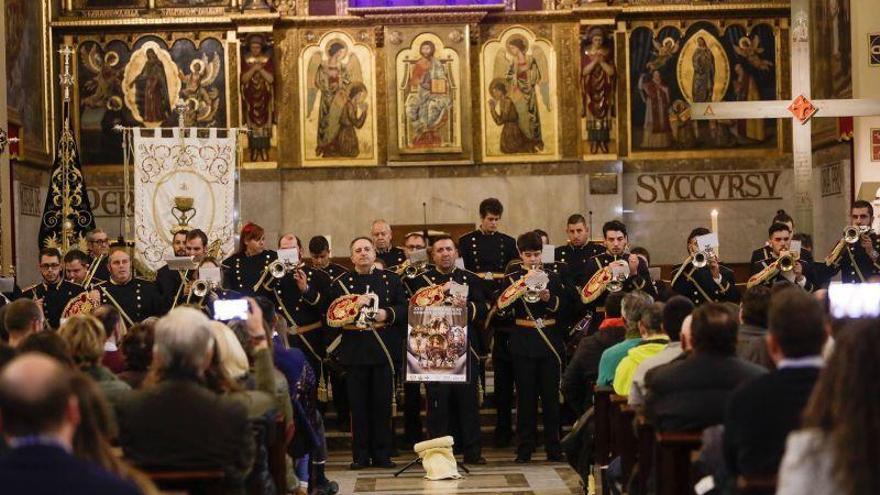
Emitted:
<point x="183" y="179"/>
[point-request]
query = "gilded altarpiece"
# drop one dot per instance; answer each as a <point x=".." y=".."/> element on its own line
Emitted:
<point x="337" y="100"/>
<point x="426" y="114"/>
<point x="138" y="82"/>
<point x="598" y="80"/>
<point x="519" y="105"/>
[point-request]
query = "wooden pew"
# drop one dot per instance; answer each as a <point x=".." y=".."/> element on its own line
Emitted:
<point x="602" y="405"/>
<point x="192" y="482"/>
<point x="623" y="436"/>
<point x="278" y="440"/>
<point x="645" y="451"/>
<point x="674" y="451"/>
<point x="756" y="485"/>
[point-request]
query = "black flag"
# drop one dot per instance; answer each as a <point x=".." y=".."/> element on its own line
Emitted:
<point x="64" y="226"/>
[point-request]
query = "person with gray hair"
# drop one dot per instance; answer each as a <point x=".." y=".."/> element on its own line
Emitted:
<point x="634" y="304"/>
<point x="654" y="340"/>
<point x="213" y="432"/>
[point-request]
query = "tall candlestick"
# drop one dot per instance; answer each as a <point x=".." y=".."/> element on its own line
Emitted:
<point x="715" y="230"/>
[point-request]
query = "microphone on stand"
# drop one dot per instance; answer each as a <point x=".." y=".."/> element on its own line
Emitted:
<point x="590" y="214"/>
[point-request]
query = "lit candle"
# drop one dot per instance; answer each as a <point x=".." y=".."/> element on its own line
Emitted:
<point x="715" y="229"/>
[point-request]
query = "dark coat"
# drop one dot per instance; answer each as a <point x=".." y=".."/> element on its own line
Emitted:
<point x="690" y="394"/>
<point x="583" y="368"/>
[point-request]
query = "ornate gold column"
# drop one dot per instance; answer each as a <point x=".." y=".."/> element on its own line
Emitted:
<point x="6" y="260"/>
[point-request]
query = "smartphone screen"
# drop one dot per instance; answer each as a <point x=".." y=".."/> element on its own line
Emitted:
<point x="231" y="309"/>
<point x="854" y="300"/>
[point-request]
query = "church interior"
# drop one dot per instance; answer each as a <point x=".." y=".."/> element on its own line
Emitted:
<point x="373" y="176"/>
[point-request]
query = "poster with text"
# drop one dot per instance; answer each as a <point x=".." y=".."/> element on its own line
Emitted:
<point x="437" y="344"/>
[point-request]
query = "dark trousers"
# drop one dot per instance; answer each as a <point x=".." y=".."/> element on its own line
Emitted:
<point x="412" y="410"/>
<point x="537" y="377"/>
<point x="340" y="396"/>
<point x="503" y="367"/>
<point x="460" y="402"/>
<point x="369" y="394"/>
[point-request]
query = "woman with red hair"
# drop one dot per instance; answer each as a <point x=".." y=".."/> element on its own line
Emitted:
<point x="244" y="269"/>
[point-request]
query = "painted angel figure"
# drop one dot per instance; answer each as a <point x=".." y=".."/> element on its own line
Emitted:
<point x="663" y="52"/>
<point x="524" y="81"/>
<point x="598" y="76"/>
<point x="428" y="102"/>
<point x="106" y="80"/>
<point x="751" y="50"/>
<point x="203" y="100"/>
<point x="332" y="80"/>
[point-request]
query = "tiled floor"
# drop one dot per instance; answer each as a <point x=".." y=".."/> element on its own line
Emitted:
<point x="501" y="476"/>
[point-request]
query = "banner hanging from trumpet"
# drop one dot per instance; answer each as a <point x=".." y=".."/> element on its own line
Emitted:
<point x="437" y="344"/>
<point x="183" y="179"/>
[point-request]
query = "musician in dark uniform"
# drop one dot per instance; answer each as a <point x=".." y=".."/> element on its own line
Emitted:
<point x="769" y="272"/>
<point x="455" y="401"/>
<point x="487" y="252"/>
<point x="244" y="269"/>
<point x="391" y="256"/>
<point x="53" y="293"/>
<point x="617" y="252"/>
<point x="319" y="249"/>
<point x="859" y="261"/>
<point x="302" y="296"/>
<point x="713" y="282"/>
<point x="98" y="244"/>
<point x="77" y="268"/>
<point x="367" y="353"/>
<point x="577" y="253"/>
<point x="169" y="282"/>
<point x="135" y="299"/>
<point x="536" y="344"/>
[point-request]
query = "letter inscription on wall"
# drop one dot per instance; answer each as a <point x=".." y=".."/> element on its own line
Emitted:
<point x="684" y="187"/>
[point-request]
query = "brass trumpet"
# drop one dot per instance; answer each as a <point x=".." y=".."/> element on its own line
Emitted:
<point x="367" y="314"/>
<point x="786" y="262"/>
<point x="533" y="291"/>
<point x="853" y="233"/>
<point x="278" y="268"/>
<point x="700" y="259"/>
<point x="201" y="288"/>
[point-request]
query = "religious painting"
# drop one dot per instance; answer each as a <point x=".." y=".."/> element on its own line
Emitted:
<point x="147" y="84"/>
<point x="427" y="111"/>
<point x="875" y="145"/>
<point x="191" y="3"/>
<point x="258" y="97"/>
<point x="422" y="3"/>
<point x="671" y="68"/>
<point x="518" y="87"/>
<point x="337" y="102"/>
<point x="26" y="70"/>
<point x="598" y="83"/>
<point x="108" y="4"/>
<point x="830" y="63"/>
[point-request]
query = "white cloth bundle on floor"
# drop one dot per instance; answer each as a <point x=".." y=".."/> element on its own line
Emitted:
<point x="437" y="459"/>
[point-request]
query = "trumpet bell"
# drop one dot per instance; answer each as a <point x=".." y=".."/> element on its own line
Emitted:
<point x="854" y="233"/>
<point x="786" y="263"/>
<point x="412" y="270"/>
<point x="615" y="285"/>
<point x="201" y="288"/>
<point x="700" y="259"/>
<point x="277" y="269"/>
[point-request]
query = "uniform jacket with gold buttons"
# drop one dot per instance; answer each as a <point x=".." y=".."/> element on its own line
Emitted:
<point x="241" y="272"/>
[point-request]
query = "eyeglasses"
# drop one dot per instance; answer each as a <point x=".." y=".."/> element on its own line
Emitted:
<point x="47" y="266"/>
<point x="413" y="248"/>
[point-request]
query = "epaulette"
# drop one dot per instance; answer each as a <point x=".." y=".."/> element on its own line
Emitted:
<point x="469" y="234"/>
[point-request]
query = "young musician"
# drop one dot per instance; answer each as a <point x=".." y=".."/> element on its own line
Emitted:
<point x="579" y="250"/>
<point x="170" y="281"/>
<point x="858" y="261"/>
<point x="77" y="268"/>
<point x="773" y="270"/>
<point x="248" y="265"/>
<point x="616" y="253"/>
<point x="536" y="346"/>
<point x="712" y="282"/>
<point x="319" y="249"/>
<point x="53" y="293"/>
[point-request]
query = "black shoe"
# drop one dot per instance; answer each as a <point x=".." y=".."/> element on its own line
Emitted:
<point x="384" y="464"/>
<point x="477" y="461"/>
<point x="523" y="459"/>
<point x="556" y="457"/>
<point x="356" y="466"/>
<point x="328" y="488"/>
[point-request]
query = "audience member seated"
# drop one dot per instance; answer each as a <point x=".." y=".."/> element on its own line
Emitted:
<point x="92" y="440"/>
<point x="690" y="393"/>
<point x="40" y="417"/>
<point x="137" y="347"/>
<point x="836" y="452"/>
<point x="632" y="307"/>
<point x="229" y="368"/>
<point x="22" y="318"/>
<point x="752" y="340"/>
<point x="583" y="368"/>
<point x="114" y="329"/>
<point x="754" y="443"/>
<point x="676" y="315"/>
<point x="653" y="341"/>
<point x="85" y="336"/>
<point x="50" y="344"/>
<point x="211" y="431"/>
